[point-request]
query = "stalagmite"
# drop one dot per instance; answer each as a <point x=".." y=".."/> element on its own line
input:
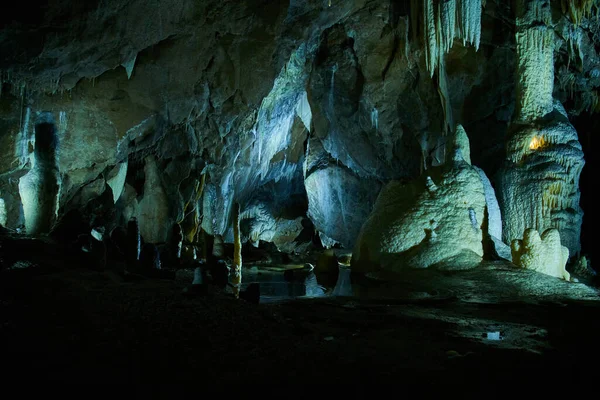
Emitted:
<point x="39" y="188"/>
<point x="236" y="279"/>
<point x="543" y="254"/>
<point x="539" y="184"/>
<point x="535" y="55"/>
<point x="3" y="217"/>
<point x="154" y="208"/>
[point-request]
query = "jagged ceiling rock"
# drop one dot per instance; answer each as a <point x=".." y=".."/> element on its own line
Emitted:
<point x="229" y="93"/>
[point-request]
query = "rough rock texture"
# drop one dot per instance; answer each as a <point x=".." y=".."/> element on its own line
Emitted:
<point x="539" y="184"/>
<point x="543" y="254"/>
<point x="434" y="221"/>
<point x="493" y="219"/>
<point x="300" y="109"/>
<point x="39" y="188"/>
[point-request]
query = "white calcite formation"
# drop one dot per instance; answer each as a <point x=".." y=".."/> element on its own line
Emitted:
<point x="153" y="214"/>
<point x="40" y="186"/>
<point x="445" y="20"/>
<point x="258" y="223"/>
<point x="539" y="184"/>
<point x="3" y="216"/>
<point x="116" y="180"/>
<point x="543" y="254"/>
<point x="434" y="221"/>
<point x="493" y="216"/>
<point x="339" y="201"/>
<point x="535" y="59"/>
<point x="493" y="219"/>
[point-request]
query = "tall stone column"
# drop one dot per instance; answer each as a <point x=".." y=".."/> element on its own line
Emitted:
<point x="535" y="59"/>
<point x="39" y="187"/>
<point x="539" y="183"/>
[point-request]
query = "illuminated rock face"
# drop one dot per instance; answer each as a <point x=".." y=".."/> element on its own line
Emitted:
<point x="543" y="254"/>
<point x="153" y="214"/>
<point x="39" y="187"/>
<point x="540" y="180"/>
<point x="339" y="201"/>
<point x="243" y="92"/>
<point x="258" y="223"/>
<point x="435" y="221"/>
<point x="535" y="55"/>
<point x="3" y="217"/>
<point x="540" y="183"/>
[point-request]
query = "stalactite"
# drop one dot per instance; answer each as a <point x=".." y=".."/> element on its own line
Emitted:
<point x="447" y="27"/>
<point x="442" y="87"/>
<point x="431" y="37"/>
<point x="577" y="10"/>
<point x="443" y="20"/>
<point x="469" y="22"/>
<point x="236" y="280"/>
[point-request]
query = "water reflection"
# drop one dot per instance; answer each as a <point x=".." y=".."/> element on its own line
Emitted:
<point x="281" y="285"/>
<point x="343" y="286"/>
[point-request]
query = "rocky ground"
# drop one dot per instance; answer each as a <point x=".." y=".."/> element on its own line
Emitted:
<point x="71" y="324"/>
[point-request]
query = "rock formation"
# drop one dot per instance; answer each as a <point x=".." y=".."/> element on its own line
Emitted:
<point x="300" y="112"/>
<point x="539" y="184"/>
<point x="435" y="221"/>
<point x="39" y="187"/>
<point x="543" y="254"/>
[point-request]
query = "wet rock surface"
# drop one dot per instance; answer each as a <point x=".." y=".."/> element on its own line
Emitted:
<point x="76" y="324"/>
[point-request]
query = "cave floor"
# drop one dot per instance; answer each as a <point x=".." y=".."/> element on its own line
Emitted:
<point x="83" y="326"/>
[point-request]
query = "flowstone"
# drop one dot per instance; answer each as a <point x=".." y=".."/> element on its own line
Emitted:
<point x="539" y="183"/>
<point x="435" y="221"/>
<point x="543" y="254"/>
<point x="540" y="180"/>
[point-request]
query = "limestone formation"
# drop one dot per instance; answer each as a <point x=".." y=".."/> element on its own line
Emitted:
<point x="535" y="55"/>
<point x="153" y="214"/>
<point x="435" y="221"/>
<point x="236" y="279"/>
<point x="444" y="20"/>
<point x="539" y="183"/>
<point x="259" y="223"/>
<point x="493" y="220"/>
<point x="218" y="247"/>
<point x="3" y="217"/>
<point x="300" y="112"/>
<point x="116" y="180"/>
<point x="461" y="143"/>
<point x="543" y="254"/>
<point x="40" y="186"/>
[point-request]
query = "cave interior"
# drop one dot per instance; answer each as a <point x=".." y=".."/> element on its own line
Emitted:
<point x="315" y="191"/>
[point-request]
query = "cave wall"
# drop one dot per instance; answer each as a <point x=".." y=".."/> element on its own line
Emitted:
<point x="171" y="111"/>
